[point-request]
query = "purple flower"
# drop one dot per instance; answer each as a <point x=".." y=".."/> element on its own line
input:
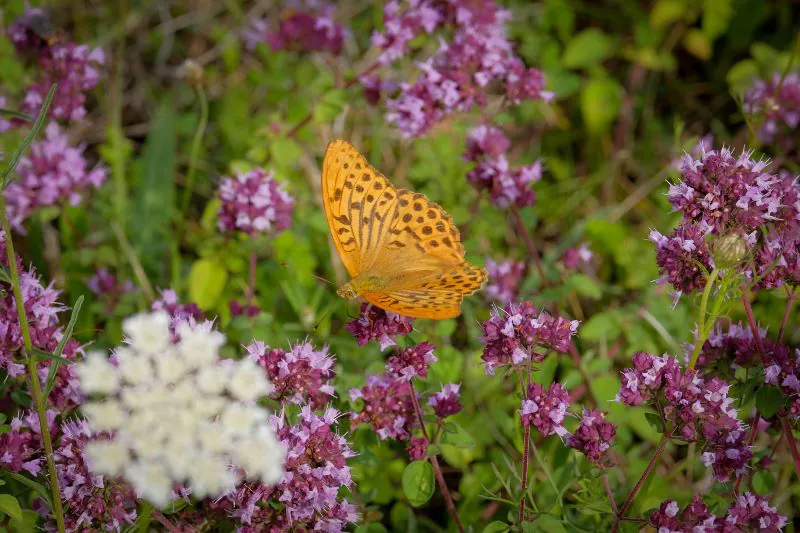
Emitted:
<point x="53" y="173"/>
<point x="177" y="311"/>
<point x="238" y="309"/>
<point x="388" y="406"/>
<point x="594" y="436"/>
<point x="104" y="283"/>
<point x="412" y="362"/>
<point x="42" y="310"/>
<point x="93" y="502"/>
<point x="695" y="518"/>
<point x="780" y="111"/>
<point x="736" y="346"/>
<point x="303" y="30"/>
<point x="778" y="260"/>
<point x="678" y="257"/>
<point x="512" y="333"/>
<point x="5" y="124"/>
<point x="754" y="513"/>
<point x="376" y="324"/>
<point x="22" y="446"/>
<point x="300" y="375"/>
<point x="486" y="145"/>
<point x="461" y="74"/>
<point x="26" y="32"/>
<point x="505" y="278"/>
<point x="315" y="471"/>
<point x="254" y="202"/>
<point x="545" y="409"/>
<point x="446" y="403"/>
<point x="575" y="257"/>
<point x="76" y="69"/>
<point x="417" y="448"/>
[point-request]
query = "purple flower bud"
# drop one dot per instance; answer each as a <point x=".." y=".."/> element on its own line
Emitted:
<point x="388" y="406"/>
<point x="446" y="403"/>
<point x="594" y="436"/>
<point x="300" y="30"/>
<point x="417" y="448"/>
<point x="778" y="113"/>
<point x="412" y="362"/>
<point x="545" y="409"/>
<point x="254" y="202"/>
<point x="376" y="324"/>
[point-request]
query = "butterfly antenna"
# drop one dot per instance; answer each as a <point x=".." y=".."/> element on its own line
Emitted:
<point x="323" y="279"/>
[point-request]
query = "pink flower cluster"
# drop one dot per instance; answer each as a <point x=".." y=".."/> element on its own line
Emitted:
<point x="254" y="202"/>
<point x="387" y="406"/>
<point x="411" y="362"/>
<point x="777" y="110"/>
<point x="782" y="369"/>
<point x="42" y="309"/>
<point x="315" y="471"/>
<point x="104" y="283"/>
<point x="460" y="74"/>
<point x="512" y="334"/>
<point x="505" y="278"/>
<point x="306" y="28"/>
<point x="178" y="312"/>
<point x="375" y="324"/>
<point x="573" y="258"/>
<point x="721" y="195"/>
<point x="446" y="402"/>
<point x="26" y="40"/>
<point x="594" y="436"/>
<point x="487" y="146"/>
<point x="53" y="173"/>
<point x="299" y="375"/>
<point x="748" y="513"/>
<point x="734" y="346"/>
<point x="545" y="409"/>
<point x="696" y="409"/>
<point x="21" y="445"/>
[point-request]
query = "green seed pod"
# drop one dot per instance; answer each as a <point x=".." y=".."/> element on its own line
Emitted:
<point x="729" y="250"/>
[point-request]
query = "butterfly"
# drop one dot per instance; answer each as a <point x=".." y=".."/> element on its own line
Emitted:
<point x="402" y="251"/>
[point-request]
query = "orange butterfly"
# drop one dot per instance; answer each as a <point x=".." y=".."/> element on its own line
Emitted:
<point x="402" y="251"/>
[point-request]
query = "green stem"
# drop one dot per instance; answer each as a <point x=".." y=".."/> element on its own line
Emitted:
<point x="788" y="68"/>
<point x="197" y="141"/>
<point x="36" y="386"/>
<point x="702" y="334"/>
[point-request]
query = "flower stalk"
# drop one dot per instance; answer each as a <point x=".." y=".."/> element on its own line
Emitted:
<point x="648" y="469"/>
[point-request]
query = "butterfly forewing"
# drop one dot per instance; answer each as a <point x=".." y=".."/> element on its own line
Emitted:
<point x="397" y="237"/>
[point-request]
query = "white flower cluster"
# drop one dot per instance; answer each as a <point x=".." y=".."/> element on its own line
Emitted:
<point x="177" y="414"/>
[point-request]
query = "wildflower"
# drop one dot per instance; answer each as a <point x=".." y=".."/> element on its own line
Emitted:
<point x="505" y="278"/>
<point x="511" y="335"/>
<point x="388" y="406"/>
<point x="238" y="309"/>
<point x="254" y="202"/>
<point x="778" y="260"/>
<point x="694" y="518"/>
<point x="779" y="110"/>
<point x="735" y="346"/>
<point x="748" y="513"/>
<point x="486" y="145"/>
<point x="400" y="28"/>
<point x="176" y="413"/>
<point x="545" y="409"/>
<point x="22" y="445"/>
<point x="376" y="324"/>
<point x="76" y="69"/>
<point x="177" y="312"/>
<point x="575" y="257"/>
<point x="304" y="30"/>
<point x="417" y="448"/>
<point x="446" y="403"/>
<point x="412" y="362"/>
<point x="299" y="375"/>
<point x="594" y="436"/>
<point x="53" y="173"/>
<point x="680" y="255"/>
<point x="104" y="283"/>
<point x="26" y="32"/>
<point x="754" y="512"/>
<point x="93" y="502"/>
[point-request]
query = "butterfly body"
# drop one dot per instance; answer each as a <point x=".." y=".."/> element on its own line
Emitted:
<point x="402" y="251"/>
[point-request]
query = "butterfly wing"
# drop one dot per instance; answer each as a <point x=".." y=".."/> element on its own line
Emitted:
<point x="359" y="204"/>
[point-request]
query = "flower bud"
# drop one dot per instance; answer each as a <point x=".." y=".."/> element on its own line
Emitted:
<point x="192" y="72"/>
<point x="729" y="250"/>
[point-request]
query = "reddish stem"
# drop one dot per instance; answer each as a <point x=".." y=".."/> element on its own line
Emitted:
<point x="610" y="494"/>
<point x="785" y="320"/>
<point x="529" y="244"/>
<point x="525" y="456"/>
<point x="161" y="519"/>
<point x="753" y="326"/>
<point x="448" y="499"/>
<point x="649" y="468"/>
<point x="787" y="431"/>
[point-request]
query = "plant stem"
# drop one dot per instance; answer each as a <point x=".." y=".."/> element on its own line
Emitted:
<point x="649" y="468"/>
<point x="529" y="244"/>
<point x="437" y="470"/>
<point x="36" y="387"/>
<point x="702" y="334"/>
<point x="136" y="265"/>
<point x="786" y="312"/>
<point x="164" y="521"/>
<point x="748" y="310"/>
<point x="197" y="141"/>
<point x="787" y="431"/>
<point x="251" y="285"/>
<point x="525" y="457"/>
<point x="610" y="494"/>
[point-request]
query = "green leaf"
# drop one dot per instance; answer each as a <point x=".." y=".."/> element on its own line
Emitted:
<point x="496" y="527"/>
<point x="15" y="114"/>
<point x="40" y="489"/>
<point x="666" y="12"/>
<point x="585" y="286"/>
<point x="207" y="280"/>
<point x="763" y="482"/>
<point x="10" y="506"/>
<point x="769" y="400"/>
<point x="51" y="375"/>
<point x="655" y="422"/>
<point x="285" y="152"/>
<point x="698" y="44"/>
<point x="589" y="47"/>
<point x="544" y="524"/>
<point x="153" y="194"/>
<point x="716" y="17"/>
<point x="372" y="527"/>
<point x="27" y="524"/>
<point x="330" y="106"/>
<point x="458" y="437"/>
<point x="418" y="482"/>
<point x="15" y="157"/>
<point x="600" y="102"/>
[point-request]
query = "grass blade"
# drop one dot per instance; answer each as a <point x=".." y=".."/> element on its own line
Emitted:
<point x="15" y="157"/>
<point x="51" y="375"/>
